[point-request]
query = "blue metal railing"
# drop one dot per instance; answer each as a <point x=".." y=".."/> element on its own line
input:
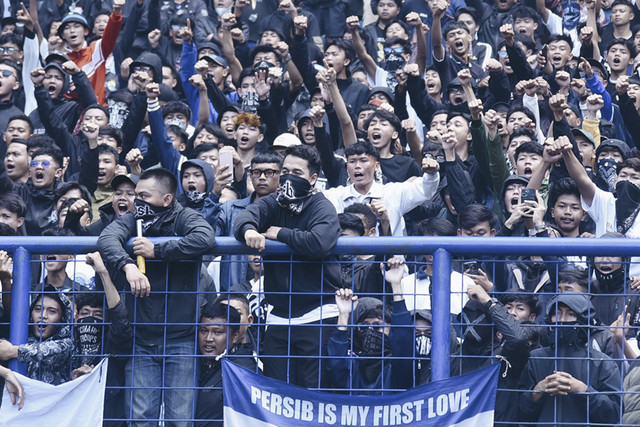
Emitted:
<point x="443" y="249"/>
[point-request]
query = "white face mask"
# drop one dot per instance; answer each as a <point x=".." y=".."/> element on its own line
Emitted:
<point x="222" y="10"/>
<point x="175" y="121"/>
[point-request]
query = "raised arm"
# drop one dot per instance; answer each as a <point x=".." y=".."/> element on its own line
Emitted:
<point x="576" y="170"/>
<point x="438" y="9"/>
<point x="328" y="78"/>
<point x="353" y="25"/>
<point x="235" y="67"/>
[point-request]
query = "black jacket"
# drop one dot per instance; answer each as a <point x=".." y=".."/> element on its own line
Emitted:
<point x="40" y="202"/>
<point x="593" y="368"/>
<point x="170" y="273"/>
<point x="209" y="406"/>
<point x="312" y="234"/>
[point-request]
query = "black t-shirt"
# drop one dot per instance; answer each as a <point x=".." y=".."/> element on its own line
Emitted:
<point x="399" y="168"/>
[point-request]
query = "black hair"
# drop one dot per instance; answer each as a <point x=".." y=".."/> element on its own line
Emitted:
<point x="56" y="231"/>
<point x="16" y="67"/>
<point x="362" y="148"/>
<point x="385" y="115"/>
<point x="575" y="275"/>
<point x="64" y="188"/>
<point x="234" y="296"/>
<point x="179" y="132"/>
<point x="112" y="132"/>
<point x="531" y="147"/>
<point x="107" y="149"/>
<point x="176" y="107"/>
<point x="631" y="162"/>
<point x="13" y="203"/>
<point x="52" y="151"/>
<point x="367" y="107"/>
<point x="349" y="221"/>
<point x="203" y="148"/>
<point x="521" y="109"/>
<point x="211" y="128"/>
<point x="474" y="215"/>
<point x="344" y="45"/>
<point x="307" y="153"/>
<point x="222" y="311"/>
<point x="91" y="299"/>
<point x="522" y="11"/>
<point x="264" y="49"/>
<point x="378" y="311"/>
<point x="522" y="131"/>
<point x="560" y="37"/>
<point x="626" y="43"/>
<point x="12" y="38"/>
<point x="406" y="44"/>
<point x="105" y="110"/>
<point x="436" y="227"/>
<point x="22" y="117"/>
<point x="403" y="24"/>
<point x="525" y="40"/>
<point x="471" y="11"/>
<point x="516" y="295"/>
<point x="370" y="220"/>
<point x="561" y="187"/>
<point x="267" y="157"/>
<point x="181" y="20"/>
<point x="276" y="30"/>
<point x="622" y="3"/>
<point x="165" y="180"/>
<point x="454" y="114"/>
<point x="246" y="72"/>
<point x="455" y="26"/>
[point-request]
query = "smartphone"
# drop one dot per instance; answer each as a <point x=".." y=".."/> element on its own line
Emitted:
<point x="528" y="194"/>
<point x="472" y="267"/>
<point x="226" y="158"/>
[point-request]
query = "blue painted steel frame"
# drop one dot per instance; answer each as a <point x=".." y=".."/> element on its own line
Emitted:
<point x="442" y="248"/>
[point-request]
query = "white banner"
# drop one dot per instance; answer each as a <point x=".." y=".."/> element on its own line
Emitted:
<point x="74" y="403"/>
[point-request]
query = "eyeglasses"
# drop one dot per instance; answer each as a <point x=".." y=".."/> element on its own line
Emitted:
<point x="8" y="50"/>
<point x="438" y="157"/>
<point x="144" y="68"/>
<point x="268" y="173"/>
<point x="35" y="163"/>
<point x="502" y="53"/>
<point x="178" y="27"/>
<point x="390" y="50"/>
<point x="6" y="73"/>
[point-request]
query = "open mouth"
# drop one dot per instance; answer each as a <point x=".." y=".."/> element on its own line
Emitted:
<point x="376" y="137"/>
<point x="527" y="171"/>
<point x="52" y="258"/>
<point x="556" y="59"/>
<point x="358" y="175"/>
<point x="191" y="187"/>
<point x="458" y="100"/>
<point x="10" y="167"/>
<point x="51" y="89"/>
<point x="101" y="176"/>
<point x="431" y="85"/>
<point x="122" y="207"/>
<point x="616" y="61"/>
<point x="459" y="45"/>
<point x="606" y="269"/>
<point x="39" y="175"/>
<point x="514" y="201"/>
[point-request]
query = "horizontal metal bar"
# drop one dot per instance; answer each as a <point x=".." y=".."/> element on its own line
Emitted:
<point x="409" y="245"/>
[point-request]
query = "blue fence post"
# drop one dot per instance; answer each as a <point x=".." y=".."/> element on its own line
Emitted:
<point x="19" y="329"/>
<point x="440" y="329"/>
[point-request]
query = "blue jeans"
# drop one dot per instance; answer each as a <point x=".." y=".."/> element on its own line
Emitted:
<point x="160" y="370"/>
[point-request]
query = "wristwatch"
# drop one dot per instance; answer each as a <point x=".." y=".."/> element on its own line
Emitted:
<point x="490" y="303"/>
<point x="537" y="229"/>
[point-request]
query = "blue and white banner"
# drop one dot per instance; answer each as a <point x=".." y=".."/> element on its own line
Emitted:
<point x="257" y="401"/>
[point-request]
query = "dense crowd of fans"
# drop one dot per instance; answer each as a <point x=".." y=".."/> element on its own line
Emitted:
<point x="302" y="121"/>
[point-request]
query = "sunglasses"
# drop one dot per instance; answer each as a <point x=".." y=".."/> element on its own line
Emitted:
<point x="144" y="68"/>
<point x="178" y="27"/>
<point x="35" y="163"/>
<point x="7" y="73"/>
<point x="502" y="53"/>
<point x="8" y="50"/>
<point x="257" y="173"/>
<point x="390" y="50"/>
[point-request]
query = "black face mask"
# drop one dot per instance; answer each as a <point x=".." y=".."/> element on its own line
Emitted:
<point x="568" y="334"/>
<point x="627" y="205"/>
<point x="148" y="213"/>
<point x="610" y="281"/>
<point x="423" y="345"/>
<point x="195" y="197"/>
<point x="606" y="174"/>
<point x="293" y="192"/>
<point x="250" y="102"/>
<point x="88" y="334"/>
